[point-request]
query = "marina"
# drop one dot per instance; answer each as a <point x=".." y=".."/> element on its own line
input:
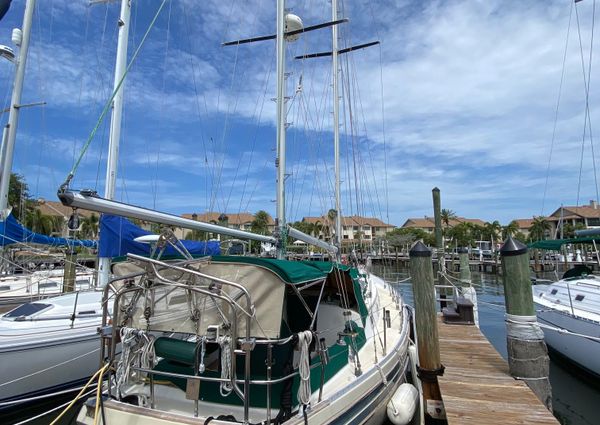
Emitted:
<point x="193" y="310"/>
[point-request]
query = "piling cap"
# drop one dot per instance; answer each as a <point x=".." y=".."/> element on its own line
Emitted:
<point x="512" y="247"/>
<point x="419" y="250"/>
<point x="463" y="250"/>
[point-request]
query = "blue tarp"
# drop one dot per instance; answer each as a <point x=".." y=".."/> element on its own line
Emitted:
<point x="11" y="231"/>
<point x="117" y="236"/>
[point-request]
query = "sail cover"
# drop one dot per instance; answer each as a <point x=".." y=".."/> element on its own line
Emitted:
<point x="11" y="232"/>
<point x="117" y="236"/>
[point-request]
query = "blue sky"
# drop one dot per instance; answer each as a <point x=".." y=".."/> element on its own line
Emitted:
<point x="461" y="95"/>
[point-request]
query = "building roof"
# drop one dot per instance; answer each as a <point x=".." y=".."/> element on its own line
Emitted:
<point x="353" y="220"/>
<point x="524" y="223"/>
<point x="56" y="209"/>
<point x="429" y="222"/>
<point x="233" y="218"/>
<point x="586" y="211"/>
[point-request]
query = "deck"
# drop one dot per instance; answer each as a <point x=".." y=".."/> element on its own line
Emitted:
<point x="476" y="386"/>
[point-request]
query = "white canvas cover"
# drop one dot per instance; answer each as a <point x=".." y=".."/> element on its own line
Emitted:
<point x="179" y="310"/>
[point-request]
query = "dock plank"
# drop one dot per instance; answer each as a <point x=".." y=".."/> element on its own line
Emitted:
<point x="476" y="386"/>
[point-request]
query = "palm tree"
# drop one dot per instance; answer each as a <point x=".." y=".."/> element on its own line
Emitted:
<point x="196" y="235"/>
<point x="331" y="217"/>
<point x="39" y="222"/>
<point x="538" y="228"/>
<point x="447" y="216"/>
<point x="89" y="227"/>
<point x="260" y="224"/>
<point x="511" y="229"/>
<point x="492" y="230"/>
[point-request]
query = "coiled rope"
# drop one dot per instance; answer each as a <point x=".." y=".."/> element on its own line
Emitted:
<point x="304" y="340"/>
<point x="225" y="344"/>
<point x="137" y="349"/>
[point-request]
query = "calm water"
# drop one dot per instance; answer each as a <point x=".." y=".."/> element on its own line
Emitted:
<point x="574" y="399"/>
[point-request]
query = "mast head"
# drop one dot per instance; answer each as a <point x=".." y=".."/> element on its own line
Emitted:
<point x="293" y="23"/>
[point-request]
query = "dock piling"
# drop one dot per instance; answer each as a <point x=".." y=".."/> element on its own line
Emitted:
<point x="527" y="351"/>
<point x="70" y="269"/>
<point x="430" y="366"/>
<point x="465" y="270"/>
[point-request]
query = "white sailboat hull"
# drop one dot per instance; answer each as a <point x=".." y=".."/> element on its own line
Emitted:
<point x="44" y="349"/>
<point x="583" y="351"/>
<point x="46" y="367"/>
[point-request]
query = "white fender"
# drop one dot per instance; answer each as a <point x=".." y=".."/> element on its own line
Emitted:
<point x="402" y="406"/>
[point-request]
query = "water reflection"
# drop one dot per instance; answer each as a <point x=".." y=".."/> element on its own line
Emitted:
<point x="574" y="398"/>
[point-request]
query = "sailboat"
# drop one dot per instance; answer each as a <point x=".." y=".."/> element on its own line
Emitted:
<point x="245" y="339"/>
<point x="17" y="288"/>
<point x="48" y="346"/>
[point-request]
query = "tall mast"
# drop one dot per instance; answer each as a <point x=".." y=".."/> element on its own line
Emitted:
<point x="115" y="123"/>
<point x="336" y="129"/>
<point x="10" y="132"/>
<point x="280" y="162"/>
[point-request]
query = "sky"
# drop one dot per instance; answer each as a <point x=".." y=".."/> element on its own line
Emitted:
<point x="485" y="100"/>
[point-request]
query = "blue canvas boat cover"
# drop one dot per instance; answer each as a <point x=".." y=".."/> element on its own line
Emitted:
<point x="117" y="236"/>
<point x="11" y="232"/>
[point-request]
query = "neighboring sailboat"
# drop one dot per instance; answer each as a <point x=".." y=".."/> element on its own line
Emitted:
<point x="50" y="345"/>
<point x="247" y="339"/>
<point x="16" y="288"/>
<point x="569" y="310"/>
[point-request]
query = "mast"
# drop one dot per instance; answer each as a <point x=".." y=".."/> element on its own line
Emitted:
<point x="336" y="130"/>
<point x="10" y="131"/>
<point x="115" y="124"/>
<point x="280" y="161"/>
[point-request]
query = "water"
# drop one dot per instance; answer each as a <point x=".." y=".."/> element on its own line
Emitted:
<point x="575" y="396"/>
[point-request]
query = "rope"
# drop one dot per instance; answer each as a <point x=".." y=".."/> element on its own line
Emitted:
<point x="98" y="395"/>
<point x="304" y="340"/>
<point x="225" y="344"/>
<point x="568" y="332"/>
<point x="143" y="356"/>
<point x="523" y="327"/>
<point x="99" y="372"/>
<point x="108" y="104"/>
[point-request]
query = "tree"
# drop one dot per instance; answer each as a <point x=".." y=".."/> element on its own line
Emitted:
<point x="447" y="216"/>
<point x="304" y="227"/>
<point x="331" y="217"/>
<point x="511" y="229"/>
<point x="196" y="235"/>
<point x="463" y="234"/>
<point x="492" y="231"/>
<point x="18" y="196"/>
<point x="89" y="227"/>
<point x="409" y="234"/>
<point x="260" y="224"/>
<point x="39" y="222"/>
<point x="538" y="229"/>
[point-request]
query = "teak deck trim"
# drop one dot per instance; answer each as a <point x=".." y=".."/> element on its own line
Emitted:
<point x="476" y="386"/>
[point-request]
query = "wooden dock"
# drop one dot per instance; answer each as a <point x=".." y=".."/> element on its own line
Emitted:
<point x="476" y="386"/>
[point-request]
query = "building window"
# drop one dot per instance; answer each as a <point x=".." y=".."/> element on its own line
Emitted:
<point x="346" y="237"/>
<point x="593" y="221"/>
